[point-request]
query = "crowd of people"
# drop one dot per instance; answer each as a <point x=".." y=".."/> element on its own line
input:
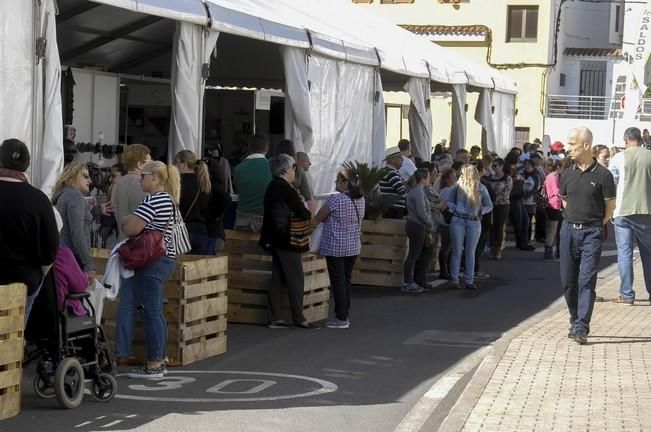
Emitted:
<point x="456" y="205"/>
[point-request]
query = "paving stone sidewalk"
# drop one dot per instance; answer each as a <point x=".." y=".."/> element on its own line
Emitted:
<point x="547" y="382"/>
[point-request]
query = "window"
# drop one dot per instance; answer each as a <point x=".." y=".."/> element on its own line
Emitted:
<point x="562" y="80"/>
<point x="618" y="11"/>
<point x="521" y="136"/>
<point x="395" y="1"/>
<point x="523" y="24"/>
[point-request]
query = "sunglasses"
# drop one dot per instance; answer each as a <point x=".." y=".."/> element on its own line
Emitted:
<point x="342" y="178"/>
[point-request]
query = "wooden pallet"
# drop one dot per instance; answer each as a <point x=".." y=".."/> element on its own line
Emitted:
<point x="249" y="273"/>
<point x="12" y="326"/>
<point x="195" y="308"/>
<point x="384" y="247"/>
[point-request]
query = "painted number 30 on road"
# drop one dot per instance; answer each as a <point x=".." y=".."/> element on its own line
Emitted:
<point x="238" y="386"/>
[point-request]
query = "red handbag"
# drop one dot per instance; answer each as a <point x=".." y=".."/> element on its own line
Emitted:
<point x="143" y="250"/>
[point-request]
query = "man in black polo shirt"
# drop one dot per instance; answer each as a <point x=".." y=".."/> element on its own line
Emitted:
<point x="588" y="193"/>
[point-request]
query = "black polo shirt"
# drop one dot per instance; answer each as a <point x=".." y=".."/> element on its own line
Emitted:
<point x="585" y="192"/>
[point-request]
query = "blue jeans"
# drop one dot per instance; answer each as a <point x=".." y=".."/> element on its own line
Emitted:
<point x="464" y="235"/>
<point x="126" y="319"/>
<point x="580" y="255"/>
<point x="149" y="285"/>
<point x="628" y="230"/>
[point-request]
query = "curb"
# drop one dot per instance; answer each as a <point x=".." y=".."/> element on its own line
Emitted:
<point x="461" y="410"/>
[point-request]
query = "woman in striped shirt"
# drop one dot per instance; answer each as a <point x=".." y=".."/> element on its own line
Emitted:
<point x="156" y="212"/>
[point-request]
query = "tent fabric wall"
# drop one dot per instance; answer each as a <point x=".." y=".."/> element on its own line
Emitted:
<point x="47" y="151"/>
<point x="504" y="121"/>
<point x="298" y="122"/>
<point x="379" y="123"/>
<point x="458" y="140"/>
<point x="16" y="70"/>
<point x="484" y="116"/>
<point x="420" y="117"/>
<point x="342" y="117"/>
<point x="193" y="45"/>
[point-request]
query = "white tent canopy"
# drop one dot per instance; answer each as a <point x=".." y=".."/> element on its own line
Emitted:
<point x="334" y="28"/>
<point x="337" y="40"/>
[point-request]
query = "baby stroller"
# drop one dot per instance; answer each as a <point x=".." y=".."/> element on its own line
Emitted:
<point x="69" y="350"/>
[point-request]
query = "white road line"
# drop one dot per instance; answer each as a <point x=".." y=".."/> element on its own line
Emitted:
<point x="100" y="417"/>
<point x="113" y="423"/>
<point x="83" y="424"/>
<point x="132" y="416"/>
<point x="421" y="411"/>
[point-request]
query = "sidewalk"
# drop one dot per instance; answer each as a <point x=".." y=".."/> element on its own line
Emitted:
<point x="544" y="381"/>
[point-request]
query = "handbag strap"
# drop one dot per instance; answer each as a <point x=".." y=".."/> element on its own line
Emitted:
<point x="196" y="197"/>
<point x="354" y="206"/>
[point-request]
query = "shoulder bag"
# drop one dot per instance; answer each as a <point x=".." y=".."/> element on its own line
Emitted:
<point x="180" y="235"/>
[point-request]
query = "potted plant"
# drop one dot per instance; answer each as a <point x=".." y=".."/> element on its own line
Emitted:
<point x="369" y="177"/>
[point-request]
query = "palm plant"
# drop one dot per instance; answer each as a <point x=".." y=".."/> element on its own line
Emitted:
<point x="369" y="178"/>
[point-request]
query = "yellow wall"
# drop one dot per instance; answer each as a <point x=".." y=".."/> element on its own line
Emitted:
<point x="493" y="14"/>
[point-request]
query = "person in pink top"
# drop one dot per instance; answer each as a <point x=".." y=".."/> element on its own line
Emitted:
<point x="553" y="210"/>
<point x="69" y="277"/>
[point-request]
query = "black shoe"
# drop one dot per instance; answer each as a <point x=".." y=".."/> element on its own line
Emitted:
<point x="581" y="337"/>
<point x="445" y="276"/>
<point x="570" y="333"/>
<point x="455" y="286"/>
<point x="528" y="248"/>
<point x="471" y="286"/>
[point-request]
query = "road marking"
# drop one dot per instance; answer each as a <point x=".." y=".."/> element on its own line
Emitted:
<point x="113" y="423"/>
<point x="326" y="387"/>
<point x="263" y="385"/>
<point x="416" y="418"/>
<point x="132" y="416"/>
<point x="83" y="424"/>
<point x="100" y="417"/>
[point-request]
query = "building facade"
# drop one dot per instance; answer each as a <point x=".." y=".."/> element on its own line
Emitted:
<point x="565" y="56"/>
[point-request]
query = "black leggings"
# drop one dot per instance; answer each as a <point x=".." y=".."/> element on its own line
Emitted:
<point x="419" y="258"/>
<point x="500" y="217"/>
<point x="446" y="250"/>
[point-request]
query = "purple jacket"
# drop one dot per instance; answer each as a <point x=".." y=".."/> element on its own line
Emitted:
<point x="70" y="280"/>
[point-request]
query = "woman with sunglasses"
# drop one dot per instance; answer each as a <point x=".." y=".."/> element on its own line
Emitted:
<point x="341" y="243"/>
<point x="69" y="199"/>
<point x="156" y="213"/>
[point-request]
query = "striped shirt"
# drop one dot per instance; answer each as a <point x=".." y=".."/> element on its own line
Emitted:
<point x="156" y="209"/>
<point x="392" y="184"/>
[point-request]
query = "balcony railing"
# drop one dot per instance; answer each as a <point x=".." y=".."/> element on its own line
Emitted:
<point x="592" y="107"/>
<point x="583" y="107"/>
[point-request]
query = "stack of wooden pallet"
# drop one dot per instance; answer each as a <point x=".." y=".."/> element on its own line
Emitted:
<point x="12" y="324"/>
<point x="249" y="273"/>
<point x="195" y="309"/>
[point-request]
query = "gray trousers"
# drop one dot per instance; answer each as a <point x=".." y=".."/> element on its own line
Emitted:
<point x="286" y="272"/>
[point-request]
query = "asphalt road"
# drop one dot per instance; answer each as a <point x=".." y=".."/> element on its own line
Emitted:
<point x="366" y="378"/>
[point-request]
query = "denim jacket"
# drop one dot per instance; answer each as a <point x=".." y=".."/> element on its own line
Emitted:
<point x="458" y="202"/>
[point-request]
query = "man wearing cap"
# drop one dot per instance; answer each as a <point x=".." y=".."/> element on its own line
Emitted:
<point x="631" y="170"/>
<point x="588" y="194"/>
<point x="392" y="184"/>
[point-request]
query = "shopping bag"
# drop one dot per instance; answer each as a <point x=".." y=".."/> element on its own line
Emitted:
<point x="315" y="239"/>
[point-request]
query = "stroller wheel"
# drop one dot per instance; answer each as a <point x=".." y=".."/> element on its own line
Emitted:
<point x="69" y="383"/>
<point x="104" y="387"/>
<point x="42" y="388"/>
